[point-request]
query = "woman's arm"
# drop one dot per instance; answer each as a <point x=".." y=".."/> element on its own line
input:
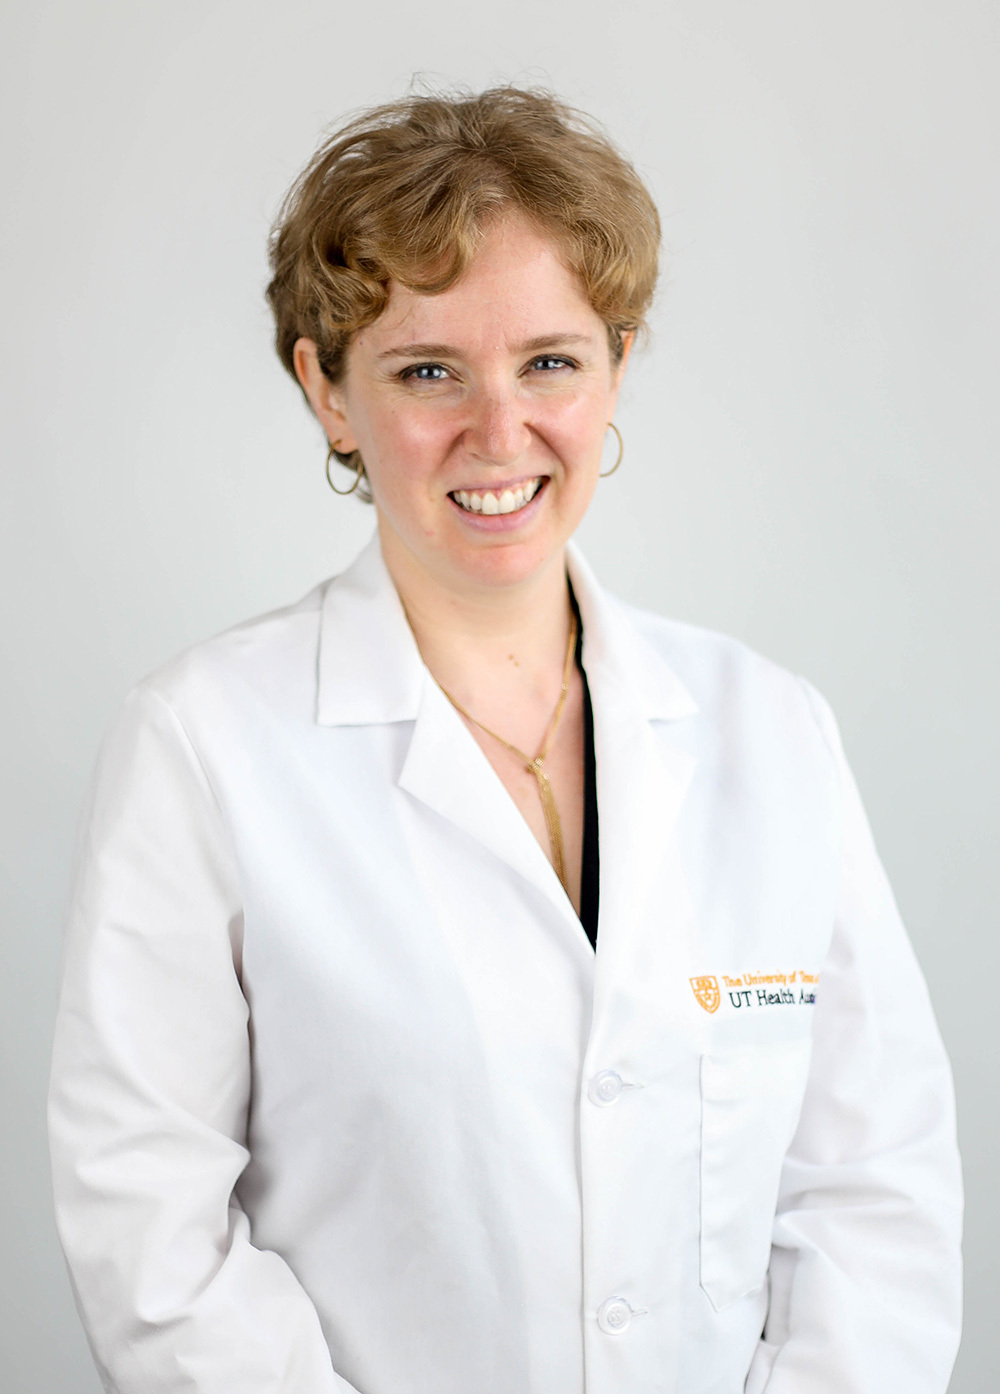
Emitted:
<point x="865" y="1270"/>
<point x="150" y="1090"/>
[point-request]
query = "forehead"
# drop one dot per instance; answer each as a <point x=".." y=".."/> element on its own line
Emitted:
<point x="518" y="287"/>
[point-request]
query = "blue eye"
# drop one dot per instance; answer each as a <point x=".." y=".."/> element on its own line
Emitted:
<point x="548" y="362"/>
<point x="424" y="372"/>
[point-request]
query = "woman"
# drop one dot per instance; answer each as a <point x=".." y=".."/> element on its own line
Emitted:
<point x="343" y="1098"/>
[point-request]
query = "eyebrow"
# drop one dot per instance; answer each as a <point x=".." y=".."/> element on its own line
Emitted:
<point x="543" y="341"/>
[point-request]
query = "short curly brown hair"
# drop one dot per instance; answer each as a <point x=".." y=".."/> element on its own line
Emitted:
<point x="404" y="192"/>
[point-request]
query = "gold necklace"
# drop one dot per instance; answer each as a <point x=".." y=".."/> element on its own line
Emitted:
<point x="536" y="765"/>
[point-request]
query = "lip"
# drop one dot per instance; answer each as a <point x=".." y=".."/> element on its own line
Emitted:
<point x="503" y="522"/>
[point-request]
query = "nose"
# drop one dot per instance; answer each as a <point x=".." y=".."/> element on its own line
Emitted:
<point x="498" y="433"/>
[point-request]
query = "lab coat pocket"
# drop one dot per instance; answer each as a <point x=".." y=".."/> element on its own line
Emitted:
<point x="750" y="1101"/>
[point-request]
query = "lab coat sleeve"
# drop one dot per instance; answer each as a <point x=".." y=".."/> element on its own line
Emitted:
<point x="865" y="1272"/>
<point x="149" y="1093"/>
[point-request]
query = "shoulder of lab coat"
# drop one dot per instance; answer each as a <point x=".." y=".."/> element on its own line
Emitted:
<point x="346" y="645"/>
<point x="344" y="655"/>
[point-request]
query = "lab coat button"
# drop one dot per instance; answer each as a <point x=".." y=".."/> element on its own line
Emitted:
<point x="614" y="1315"/>
<point x="605" y="1088"/>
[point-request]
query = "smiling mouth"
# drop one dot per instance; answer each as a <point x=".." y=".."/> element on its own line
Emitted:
<point x="493" y="501"/>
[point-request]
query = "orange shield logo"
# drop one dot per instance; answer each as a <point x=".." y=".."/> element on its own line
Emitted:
<point x="706" y="992"/>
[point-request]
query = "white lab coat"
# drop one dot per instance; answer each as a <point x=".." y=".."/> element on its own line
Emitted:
<point x="343" y="1099"/>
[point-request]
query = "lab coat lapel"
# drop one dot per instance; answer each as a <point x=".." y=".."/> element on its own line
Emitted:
<point x="446" y="770"/>
<point x="644" y="770"/>
<point x="643" y="774"/>
<point x="642" y="782"/>
<point x="369" y="669"/>
<point x="370" y="672"/>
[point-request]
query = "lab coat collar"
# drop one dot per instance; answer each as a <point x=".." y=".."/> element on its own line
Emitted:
<point x="615" y="652"/>
<point x="370" y="670"/>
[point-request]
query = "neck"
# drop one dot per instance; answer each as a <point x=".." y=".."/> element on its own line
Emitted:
<point x="473" y="637"/>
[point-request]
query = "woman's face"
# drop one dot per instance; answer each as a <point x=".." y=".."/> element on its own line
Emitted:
<point x="480" y="413"/>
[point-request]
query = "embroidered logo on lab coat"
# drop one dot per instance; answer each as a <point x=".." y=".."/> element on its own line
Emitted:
<point x="706" y="992"/>
<point x="751" y="991"/>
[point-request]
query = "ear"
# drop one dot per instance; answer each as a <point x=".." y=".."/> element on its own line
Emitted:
<point x="325" y="397"/>
<point x="628" y="339"/>
<point x="618" y="372"/>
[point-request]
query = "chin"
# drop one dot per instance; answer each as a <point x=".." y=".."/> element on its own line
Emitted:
<point x="509" y="563"/>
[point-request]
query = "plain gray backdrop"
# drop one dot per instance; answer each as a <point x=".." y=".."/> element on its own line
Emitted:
<point x="811" y="433"/>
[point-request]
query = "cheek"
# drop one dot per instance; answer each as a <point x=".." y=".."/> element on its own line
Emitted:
<point x="404" y="433"/>
<point x="404" y="450"/>
<point x="578" y="428"/>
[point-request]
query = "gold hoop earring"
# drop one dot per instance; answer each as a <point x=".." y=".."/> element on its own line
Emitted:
<point x="621" y="451"/>
<point x="357" y="479"/>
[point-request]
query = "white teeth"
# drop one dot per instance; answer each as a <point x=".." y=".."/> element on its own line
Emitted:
<point x="508" y="501"/>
